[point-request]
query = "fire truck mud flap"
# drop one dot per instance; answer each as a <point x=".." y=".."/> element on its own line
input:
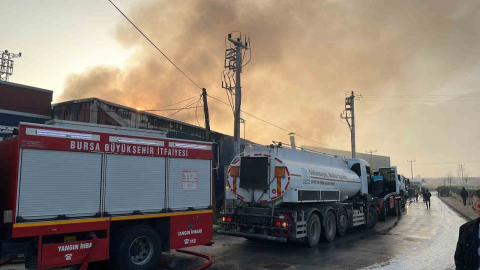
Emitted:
<point x="253" y="236"/>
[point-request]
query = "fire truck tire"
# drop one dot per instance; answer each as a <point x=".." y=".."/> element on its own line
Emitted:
<point x="342" y="222"/>
<point x="330" y="228"/>
<point x="314" y="230"/>
<point x="31" y="262"/>
<point x="372" y="217"/>
<point x="383" y="213"/>
<point x="136" y="248"/>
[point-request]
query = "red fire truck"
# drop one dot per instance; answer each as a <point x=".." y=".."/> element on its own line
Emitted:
<point x="73" y="193"/>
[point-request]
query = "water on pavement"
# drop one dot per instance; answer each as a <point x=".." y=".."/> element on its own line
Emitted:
<point x="441" y="230"/>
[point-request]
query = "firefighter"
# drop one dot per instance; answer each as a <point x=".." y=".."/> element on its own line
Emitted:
<point x="464" y="195"/>
<point x="416" y="194"/>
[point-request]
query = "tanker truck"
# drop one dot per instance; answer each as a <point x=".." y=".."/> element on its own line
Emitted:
<point x="276" y="193"/>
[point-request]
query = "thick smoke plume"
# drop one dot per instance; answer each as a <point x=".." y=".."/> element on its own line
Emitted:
<point x="305" y="55"/>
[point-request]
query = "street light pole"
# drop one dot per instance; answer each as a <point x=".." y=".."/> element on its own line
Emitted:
<point x="411" y="166"/>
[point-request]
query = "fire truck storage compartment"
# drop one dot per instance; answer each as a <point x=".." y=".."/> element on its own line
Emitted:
<point x="134" y="183"/>
<point x="189" y="183"/>
<point x="57" y="183"/>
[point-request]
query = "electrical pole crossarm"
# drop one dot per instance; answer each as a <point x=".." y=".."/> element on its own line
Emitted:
<point x="237" y="43"/>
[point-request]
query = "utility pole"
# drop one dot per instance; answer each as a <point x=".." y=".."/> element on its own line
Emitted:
<point x="411" y="166"/>
<point x="350" y="107"/>
<point x="207" y="116"/>
<point x="235" y="64"/>
<point x="461" y="171"/>
<point x="6" y="64"/>
<point x="371" y="156"/>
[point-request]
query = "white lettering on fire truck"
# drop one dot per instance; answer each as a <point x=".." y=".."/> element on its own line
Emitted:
<point x="183" y="233"/>
<point x="74" y="247"/>
<point x="128" y="149"/>
<point x="84" y="146"/>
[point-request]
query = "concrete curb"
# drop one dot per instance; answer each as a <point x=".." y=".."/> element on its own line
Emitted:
<point x="455" y="210"/>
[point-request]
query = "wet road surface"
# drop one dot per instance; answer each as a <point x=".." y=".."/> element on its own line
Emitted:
<point x="420" y="239"/>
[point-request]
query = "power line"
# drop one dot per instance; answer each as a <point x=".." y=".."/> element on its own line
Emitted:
<point x="188" y="106"/>
<point x="140" y="31"/>
<point x="265" y="121"/>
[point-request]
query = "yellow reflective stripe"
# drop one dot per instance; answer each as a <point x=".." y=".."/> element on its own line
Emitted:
<point x="161" y="215"/>
<point x="60" y="222"/>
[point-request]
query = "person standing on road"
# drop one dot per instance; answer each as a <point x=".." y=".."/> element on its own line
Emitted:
<point x="426" y="198"/>
<point x="416" y="194"/>
<point x="467" y="253"/>
<point x="464" y="195"/>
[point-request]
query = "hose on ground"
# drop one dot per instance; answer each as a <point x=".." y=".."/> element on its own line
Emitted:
<point x="209" y="258"/>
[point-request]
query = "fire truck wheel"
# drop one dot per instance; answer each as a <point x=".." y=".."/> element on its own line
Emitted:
<point x="330" y="229"/>
<point x="372" y="217"/>
<point x="314" y="230"/>
<point x="383" y="213"/>
<point x="342" y="220"/>
<point x="137" y="248"/>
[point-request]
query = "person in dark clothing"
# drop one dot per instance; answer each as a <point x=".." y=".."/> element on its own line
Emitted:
<point x="464" y="195"/>
<point x="466" y="255"/>
<point x="378" y="185"/>
<point x="426" y="198"/>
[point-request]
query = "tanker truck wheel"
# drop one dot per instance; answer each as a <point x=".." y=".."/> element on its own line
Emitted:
<point x="330" y="229"/>
<point x="314" y="229"/>
<point x="342" y="220"/>
<point x="372" y="217"/>
<point x="396" y="209"/>
<point x="383" y="212"/>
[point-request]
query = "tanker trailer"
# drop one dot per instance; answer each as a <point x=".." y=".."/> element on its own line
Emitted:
<point x="276" y="193"/>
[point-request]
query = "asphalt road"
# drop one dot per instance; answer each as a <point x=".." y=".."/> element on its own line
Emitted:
<point x="420" y="239"/>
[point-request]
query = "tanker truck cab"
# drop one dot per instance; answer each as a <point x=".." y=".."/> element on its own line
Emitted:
<point x="391" y="201"/>
<point x="276" y="193"/>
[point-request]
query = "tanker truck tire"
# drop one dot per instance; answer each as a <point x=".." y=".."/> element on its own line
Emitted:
<point x="396" y="209"/>
<point x="383" y="213"/>
<point x="342" y="222"/>
<point x="314" y="230"/>
<point x="372" y="217"/>
<point x="136" y="248"/>
<point x="400" y="208"/>
<point x="330" y="229"/>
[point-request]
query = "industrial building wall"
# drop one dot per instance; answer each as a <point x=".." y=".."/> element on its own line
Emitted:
<point x="23" y="98"/>
<point x="22" y="103"/>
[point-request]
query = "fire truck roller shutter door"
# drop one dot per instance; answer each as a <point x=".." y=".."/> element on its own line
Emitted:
<point x="54" y="183"/>
<point x="134" y="183"/>
<point x="189" y="183"/>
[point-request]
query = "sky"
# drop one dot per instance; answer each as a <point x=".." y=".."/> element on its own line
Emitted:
<point x="415" y="65"/>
